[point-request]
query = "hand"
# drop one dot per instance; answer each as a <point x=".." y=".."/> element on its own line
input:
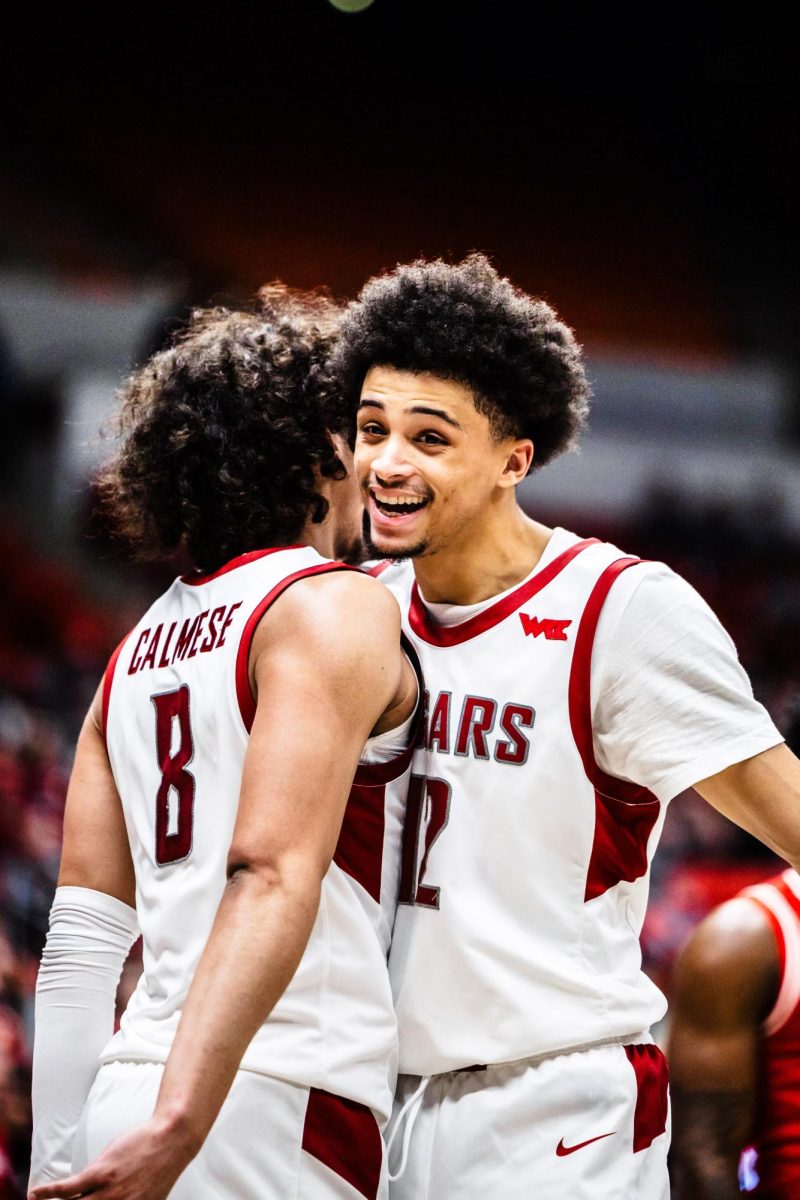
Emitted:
<point x="141" y="1165"/>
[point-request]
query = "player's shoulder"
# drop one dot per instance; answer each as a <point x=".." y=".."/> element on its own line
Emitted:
<point x="334" y="601"/>
<point x="396" y="576"/>
<point x="727" y="974"/>
<point x="727" y="977"/>
<point x="650" y="589"/>
<point x="733" y="941"/>
<point x="389" y="570"/>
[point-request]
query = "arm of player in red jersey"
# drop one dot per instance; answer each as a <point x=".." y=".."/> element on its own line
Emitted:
<point x="762" y="795"/>
<point x="327" y="664"/>
<point x="725" y="983"/>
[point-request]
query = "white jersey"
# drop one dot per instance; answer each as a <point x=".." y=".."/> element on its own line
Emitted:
<point x="526" y="864"/>
<point x="177" y="712"/>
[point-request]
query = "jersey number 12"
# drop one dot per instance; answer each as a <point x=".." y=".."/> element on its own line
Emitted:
<point x="427" y="813"/>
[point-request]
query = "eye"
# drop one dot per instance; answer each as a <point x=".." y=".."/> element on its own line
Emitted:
<point x="429" y="438"/>
<point x="371" y="429"/>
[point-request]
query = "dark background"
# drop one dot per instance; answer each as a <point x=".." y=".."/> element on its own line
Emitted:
<point x="637" y="170"/>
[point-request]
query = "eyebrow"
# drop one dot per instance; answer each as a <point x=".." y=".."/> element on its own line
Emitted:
<point x="417" y="408"/>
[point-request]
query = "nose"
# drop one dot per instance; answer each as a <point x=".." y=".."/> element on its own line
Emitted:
<point x="390" y="462"/>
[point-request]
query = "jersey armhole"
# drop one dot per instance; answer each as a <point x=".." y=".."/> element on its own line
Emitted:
<point x="379" y="773"/>
<point x="580" y="692"/>
<point x="245" y="698"/>
<point x="786" y="932"/>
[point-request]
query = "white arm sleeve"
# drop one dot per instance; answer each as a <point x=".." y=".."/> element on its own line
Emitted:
<point x="90" y="936"/>
<point x="672" y="703"/>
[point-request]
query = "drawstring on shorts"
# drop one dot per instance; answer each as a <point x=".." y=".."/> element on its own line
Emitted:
<point x="407" y="1115"/>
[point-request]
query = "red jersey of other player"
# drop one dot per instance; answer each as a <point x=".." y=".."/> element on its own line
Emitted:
<point x="735" y="1047"/>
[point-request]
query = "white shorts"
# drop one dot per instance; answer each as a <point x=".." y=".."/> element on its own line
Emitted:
<point x="588" y="1125"/>
<point x="272" y="1140"/>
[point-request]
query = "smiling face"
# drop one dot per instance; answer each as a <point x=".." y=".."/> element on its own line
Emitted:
<point x="428" y="464"/>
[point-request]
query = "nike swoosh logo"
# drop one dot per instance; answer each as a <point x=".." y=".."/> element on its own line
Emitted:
<point x="562" y="1150"/>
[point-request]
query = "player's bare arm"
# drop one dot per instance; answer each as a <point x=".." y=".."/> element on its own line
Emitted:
<point x="762" y="795"/>
<point x="326" y="666"/>
<point x="725" y="984"/>
<point x="95" y="852"/>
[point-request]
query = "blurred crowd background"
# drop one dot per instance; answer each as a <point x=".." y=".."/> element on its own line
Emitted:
<point x="642" y="188"/>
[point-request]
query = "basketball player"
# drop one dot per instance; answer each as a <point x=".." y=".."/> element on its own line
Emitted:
<point x="573" y="690"/>
<point x="734" y="1045"/>
<point x="213" y="805"/>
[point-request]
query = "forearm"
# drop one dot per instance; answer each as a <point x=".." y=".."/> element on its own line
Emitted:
<point x="762" y="795"/>
<point x="89" y="939"/>
<point x="261" y="929"/>
<point x="709" y="1131"/>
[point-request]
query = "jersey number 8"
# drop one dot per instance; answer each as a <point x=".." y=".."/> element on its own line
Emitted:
<point x="174" y="820"/>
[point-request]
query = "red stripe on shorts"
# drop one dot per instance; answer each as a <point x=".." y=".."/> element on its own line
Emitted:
<point x="345" y="1137"/>
<point x="652" y="1077"/>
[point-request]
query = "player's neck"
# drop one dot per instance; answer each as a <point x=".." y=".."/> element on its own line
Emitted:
<point x="320" y="537"/>
<point x="488" y="560"/>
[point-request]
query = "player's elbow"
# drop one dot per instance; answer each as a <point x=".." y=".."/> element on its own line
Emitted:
<point x="270" y="874"/>
<point x="242" y="867"/>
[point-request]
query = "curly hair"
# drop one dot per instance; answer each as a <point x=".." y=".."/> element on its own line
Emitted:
<point x="223" y="431"/>
<point x="466" y="323"/>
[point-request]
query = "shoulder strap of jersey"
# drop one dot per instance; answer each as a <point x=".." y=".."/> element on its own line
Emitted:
<point x="782" y="909"/>
<point x="580" y="695"/>
<point x="378" y="568"/>
<point x="108" y="679"/>
<point x="376" y="774"/>
<point x="247" y="703"/>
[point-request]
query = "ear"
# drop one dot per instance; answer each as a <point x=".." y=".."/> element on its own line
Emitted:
<point x="343" y="451"/>
<point x="518" y="463"/>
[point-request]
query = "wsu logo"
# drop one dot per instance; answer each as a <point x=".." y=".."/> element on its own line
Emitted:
<point x="554" y="631"/>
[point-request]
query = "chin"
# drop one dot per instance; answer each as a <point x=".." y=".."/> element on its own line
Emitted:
<point x="393" y="551"/>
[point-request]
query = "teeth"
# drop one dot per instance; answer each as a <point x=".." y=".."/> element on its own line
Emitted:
<point x="395" y="499"/>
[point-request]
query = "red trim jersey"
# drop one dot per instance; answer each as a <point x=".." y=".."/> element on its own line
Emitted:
<point x="777" y="1134"/>
<point x="526" y="861"/>
<point x="177" y="713"/>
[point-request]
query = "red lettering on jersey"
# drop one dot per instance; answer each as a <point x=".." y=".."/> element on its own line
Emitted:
<point x="439" y="735"/>
<point x="164" y="661"/>
<point x="228" y="620"/>
<point x="208" y="644"/>
<point x="187" y="643"/>
<point x="515" y="718"/>
<point x="477" y="719"/>
<point x="184" y="638"/>
<point x="136" y="662"/>
<point x="552" y="630"/>
<point x="170" y="707"/>
<point x="411" y="829"/>
<point x="149" y="659"/>
<point x="428" y="810"/>
<point x="197" y="632"/>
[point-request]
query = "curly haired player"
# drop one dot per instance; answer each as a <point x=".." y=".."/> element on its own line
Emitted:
<point x="224" y="803"/>
<point x="573" y="691"/>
